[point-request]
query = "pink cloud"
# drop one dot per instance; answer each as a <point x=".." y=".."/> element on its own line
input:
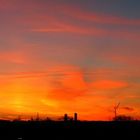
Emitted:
<point x="55" y="21"/>
<point x="79" y="13"/>
<point x="64" y="27"/>
<point x="14" y="57"/>
<point x="132" y="60"/>
<point x="89" y="31"/>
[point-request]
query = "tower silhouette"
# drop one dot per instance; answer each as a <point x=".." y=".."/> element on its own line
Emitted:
<point x="37" y="117"/>
<point x="75" y="116"/>
<point x="65" y="117"/>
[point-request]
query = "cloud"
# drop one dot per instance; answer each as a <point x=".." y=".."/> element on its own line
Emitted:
<point x="108" y="84"/>
<point x="95" y="31"/>
<point x="69" y="84"/>
<point x="68" y="19"/>
<point x="128" y="108"/>
<point x="127" y="59"/>
<point x="13" y="57"/>
<point x="78" y="12"/>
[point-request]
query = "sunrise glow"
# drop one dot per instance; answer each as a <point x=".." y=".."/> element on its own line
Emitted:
<point x="68" y="56"/>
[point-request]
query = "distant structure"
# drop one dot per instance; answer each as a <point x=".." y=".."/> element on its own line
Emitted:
<point x="31" y="119"/>
<point x="75" y="116"/>
<point x="123" y="118"/>
<point x="37" y="117"/>
<point x="65" y="117"/>
<point x="115" y="110"/>
<point x="18" y="118"/>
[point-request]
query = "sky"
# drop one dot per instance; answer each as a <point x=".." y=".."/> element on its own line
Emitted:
<point x="67" y="56"/>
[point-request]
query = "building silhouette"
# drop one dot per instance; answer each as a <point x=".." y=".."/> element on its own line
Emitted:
<point x="65" y="117"/>
<point x="75" y="116"/>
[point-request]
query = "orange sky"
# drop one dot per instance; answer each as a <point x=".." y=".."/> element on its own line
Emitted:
<point x="69" y="56"/>
<point x="65" y="89"/>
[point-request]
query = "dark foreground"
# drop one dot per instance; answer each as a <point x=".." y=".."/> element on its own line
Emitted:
<point x="69" y="130"/>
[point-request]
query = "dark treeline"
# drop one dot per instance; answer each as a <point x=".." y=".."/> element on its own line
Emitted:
<point x="43" y="130"/>
<point x="69" y="128"/>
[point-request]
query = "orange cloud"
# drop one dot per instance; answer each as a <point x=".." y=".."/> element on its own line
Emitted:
<point x="107" y="84"/>
<point x="69" y="84"/>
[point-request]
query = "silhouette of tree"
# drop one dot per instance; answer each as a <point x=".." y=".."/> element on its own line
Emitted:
<point x="48" y="119"/>
<point x="18" y="118"/>
<point x="123" y="118"/>
<point x="37" y="117"/>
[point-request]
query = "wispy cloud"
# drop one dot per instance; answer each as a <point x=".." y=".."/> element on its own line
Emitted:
<point x="79" y="13"/>
<point x="128" y="108"/>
